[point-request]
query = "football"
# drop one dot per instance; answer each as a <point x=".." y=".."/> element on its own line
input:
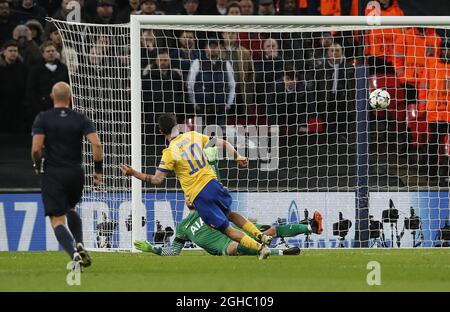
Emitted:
<point x="379" y="99"/>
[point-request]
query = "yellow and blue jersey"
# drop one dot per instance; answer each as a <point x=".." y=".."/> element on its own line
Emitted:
<point x="185" y="157"/>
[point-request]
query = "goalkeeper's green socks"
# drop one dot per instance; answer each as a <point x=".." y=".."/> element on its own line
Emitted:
<point x="291" y="230"/>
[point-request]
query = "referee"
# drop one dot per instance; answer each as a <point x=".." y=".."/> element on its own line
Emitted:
<point x="57" y="139"/>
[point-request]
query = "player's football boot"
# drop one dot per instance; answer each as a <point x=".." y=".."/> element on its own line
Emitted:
<point x="264" y="239"/>
<point x="87" y="261"/>
<point x="293" y="251"/>
<point x="264" y="253"/>
<point x="316" y="223"/>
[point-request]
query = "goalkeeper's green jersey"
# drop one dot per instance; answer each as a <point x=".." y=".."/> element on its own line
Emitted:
<point x="194" y="229"/>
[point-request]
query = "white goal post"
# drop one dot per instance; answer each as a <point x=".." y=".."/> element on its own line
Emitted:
<point x="333" y="176"/>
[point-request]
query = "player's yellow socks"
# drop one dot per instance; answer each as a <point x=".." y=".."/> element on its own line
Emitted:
<point x="251" y="228"/>
<point x="249" y="242"/>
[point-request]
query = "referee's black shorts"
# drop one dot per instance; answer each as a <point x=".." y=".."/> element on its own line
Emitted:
<point x="61" y="189"/>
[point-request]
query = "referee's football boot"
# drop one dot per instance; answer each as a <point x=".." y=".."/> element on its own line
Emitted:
<point x="293" y="251"/>
<point x="87" y="261"/>
<point x="316" y="223"/>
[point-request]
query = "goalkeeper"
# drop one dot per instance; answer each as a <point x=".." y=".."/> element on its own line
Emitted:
<point x="192" y="228"/>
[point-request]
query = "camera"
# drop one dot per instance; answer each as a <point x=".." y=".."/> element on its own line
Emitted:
<point x="413" y="222"/>
<point x="390" y="215"/>
<point x="162" y="236"/>
<point x="129" y="222"/>
<point x="375" y="228"/>
<point x="105" y="231"/>
<point x="341" y="228"/>
<point x="444" y="232"/>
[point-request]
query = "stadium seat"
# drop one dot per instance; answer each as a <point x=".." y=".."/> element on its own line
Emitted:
<point x="397" y="107"/>
<point x="315" y="125"/>
<point x="417" y="127"/>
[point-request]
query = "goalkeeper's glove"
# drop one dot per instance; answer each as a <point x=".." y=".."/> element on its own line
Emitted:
<point x="146" y="247"/>
<point x="211" y="154"/>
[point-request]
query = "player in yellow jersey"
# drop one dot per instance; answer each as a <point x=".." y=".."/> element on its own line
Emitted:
<point x="186" y="158"/>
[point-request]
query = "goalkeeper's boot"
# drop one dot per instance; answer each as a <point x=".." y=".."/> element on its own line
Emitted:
<point x="87" y="261"/>
<point x="264" y="253"/>
<point x="293" y="251"/>
<point x="316" y="223"/>
<point x="264" y="239"/>
<point x="77" y="262"/>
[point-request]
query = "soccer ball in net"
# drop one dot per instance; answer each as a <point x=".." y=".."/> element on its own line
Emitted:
<point x="379" y="99"/>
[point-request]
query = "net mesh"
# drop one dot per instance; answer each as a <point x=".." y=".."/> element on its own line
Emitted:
<point x="295" y="101"/>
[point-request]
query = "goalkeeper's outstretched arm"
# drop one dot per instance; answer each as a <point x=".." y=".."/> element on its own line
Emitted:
<point x="173" y="250"/>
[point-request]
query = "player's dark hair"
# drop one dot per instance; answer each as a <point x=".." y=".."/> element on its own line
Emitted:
<point x="167" y="122"/>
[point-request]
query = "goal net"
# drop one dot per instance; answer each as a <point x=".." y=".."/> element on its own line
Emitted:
<point x="291" y="94"/>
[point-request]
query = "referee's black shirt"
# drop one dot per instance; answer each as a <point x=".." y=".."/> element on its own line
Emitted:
<point x="64" y="130"/>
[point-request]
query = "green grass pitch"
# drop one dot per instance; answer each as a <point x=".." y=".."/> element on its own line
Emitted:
<point x="313" y="270"/>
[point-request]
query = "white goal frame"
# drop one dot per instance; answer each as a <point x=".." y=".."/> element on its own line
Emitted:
<point x="230" y="23"/>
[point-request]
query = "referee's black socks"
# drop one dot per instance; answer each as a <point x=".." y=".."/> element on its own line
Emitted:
<point x="74" y="223"/>
<point x="65" y="239"/>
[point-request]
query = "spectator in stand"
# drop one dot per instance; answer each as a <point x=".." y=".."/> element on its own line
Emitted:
<point x="29" y="9"/>
<point x="42" y="77"/>
<point x="243" y="69"/>
<point x="321" y="45"/>
<point x="105" y="12"/>
<point x="289" y="7"/>
<point x="186" y="52"/>
<point x="148" y="7"/>
<point x="247" y="7"/>
<point x="335" y="87"/>
<point x="411" y="49"/>
<point x="233" y="8"/>
<point x="171" y="7"/>
<point x="8" y="22"/>
<point x="50" y="6"/>
<point x="148" y="50"/>
<point x="28" y="49"/>
<point x="330" y="7"/>
<point x="286" y="104"/>
<point x="68" y="55"/>
<point x="190" y="7"/>
<point x="162" y="91"/>
<point x="434" y="104"/>
<point x="124" y="14"/>
<point x="211" y="85"/>
<point x="380" y="42"/>
<point x="12" y="85"/>
<point x="268" y="69"/>
<point x="62" y="11"/>
<point x="266" y="7"/>
<point x="221" y="7"/>
<point x="37" y="31"/>
<point x="251" y="40"/>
